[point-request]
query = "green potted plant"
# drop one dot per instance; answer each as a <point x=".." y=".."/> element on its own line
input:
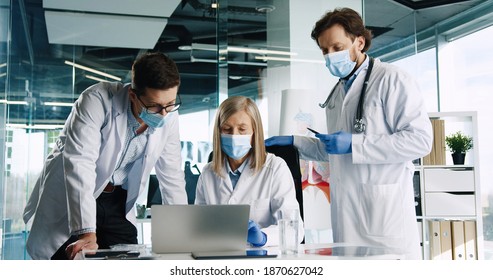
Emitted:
<point x="458" y="143"/>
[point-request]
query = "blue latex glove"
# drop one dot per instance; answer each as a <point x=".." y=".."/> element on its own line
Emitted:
<point x="279" y="140"/>
<point x="337" y="143"/>
<point x="255" y="236"/>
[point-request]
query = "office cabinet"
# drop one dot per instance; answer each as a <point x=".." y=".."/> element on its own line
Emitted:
<point x="449" y="179"/>
<point x="447" y="196"/>
<point x="449" y="204"/>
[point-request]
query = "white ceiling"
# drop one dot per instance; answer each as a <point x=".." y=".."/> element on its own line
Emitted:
<point x="403" y="21"/>
<point x="109" y="23"/>
<point x="156" y="8"/>
<point x="103" y="30"/>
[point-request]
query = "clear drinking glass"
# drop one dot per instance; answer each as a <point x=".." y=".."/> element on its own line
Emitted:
<point x="288" y="221"/>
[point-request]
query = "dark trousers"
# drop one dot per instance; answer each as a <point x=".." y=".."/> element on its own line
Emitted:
<point x="111" y="225"/>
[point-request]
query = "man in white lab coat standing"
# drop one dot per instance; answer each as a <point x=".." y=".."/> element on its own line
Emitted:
<point x="370" y="149"/>
<point x="114" y="136"/>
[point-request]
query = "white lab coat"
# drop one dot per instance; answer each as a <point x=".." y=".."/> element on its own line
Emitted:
<point x="85" y="155"/>
<point x="267" y="192"/>
<point x="372" y="197"/>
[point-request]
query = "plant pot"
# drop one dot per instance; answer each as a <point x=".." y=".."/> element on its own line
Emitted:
<point x="458" y="158"/>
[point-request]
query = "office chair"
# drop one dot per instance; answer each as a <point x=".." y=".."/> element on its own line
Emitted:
<point x="291" y="156"/>
<point x="190" y="182"/>
<point x="154" y="193"/>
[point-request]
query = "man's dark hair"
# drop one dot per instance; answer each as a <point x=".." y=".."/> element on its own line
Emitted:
<point x="349" y="19"/>
<point x="156" y="71"/>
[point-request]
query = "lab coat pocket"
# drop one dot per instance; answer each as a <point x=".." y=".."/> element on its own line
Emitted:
<point x="381" y="207"/>
<point x="259" y="210"/>
<point x="374" y="117"/>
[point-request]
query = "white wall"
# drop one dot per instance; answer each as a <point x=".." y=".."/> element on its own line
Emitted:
<point x="289" y="26"/>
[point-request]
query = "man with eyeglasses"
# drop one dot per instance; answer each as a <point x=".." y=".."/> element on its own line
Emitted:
<point x="114" y="136"/>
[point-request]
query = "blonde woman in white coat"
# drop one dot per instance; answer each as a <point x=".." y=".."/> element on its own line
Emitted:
<point x="242" y="172"/>
<point x="85" y="195"/>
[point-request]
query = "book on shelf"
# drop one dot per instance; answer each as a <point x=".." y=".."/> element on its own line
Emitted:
<point x="417" y="194"/>
<point x="470" y="240"/>
<point x="437" y="154"/>
<point x="433" y="152"/>
<point x="435" y="247"/>
<point x="440" y="142"/>
<point x="458" y="245"/>
<point x="445" y="240"/>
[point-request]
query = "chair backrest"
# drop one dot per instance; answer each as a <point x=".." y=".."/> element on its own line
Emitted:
<point x="291" y="157"/>
<point x="190" y="182"/>
<point x="154" y="193"/>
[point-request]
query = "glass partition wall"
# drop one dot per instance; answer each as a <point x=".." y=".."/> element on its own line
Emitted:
<point x="46" y="61"/>
<point x="261" y="49"/>
<point x="4" y="37"/>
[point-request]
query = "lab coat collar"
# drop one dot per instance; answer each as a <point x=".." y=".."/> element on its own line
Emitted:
<point x="244" y="169"/>
<point x="121" y="100"/>
<point x="240" y="169"/>
<point x="350" y="80"/>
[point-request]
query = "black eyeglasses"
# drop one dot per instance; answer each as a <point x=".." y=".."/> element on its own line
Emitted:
<point x="156" y="109"/>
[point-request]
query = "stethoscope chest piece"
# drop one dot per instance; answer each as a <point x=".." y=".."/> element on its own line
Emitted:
<point x="359" y="126"/>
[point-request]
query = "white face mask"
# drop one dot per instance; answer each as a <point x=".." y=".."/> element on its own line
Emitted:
<point x="236" y="146"/>
<point x="339" y="63"/>
<point x="153" y="120"/>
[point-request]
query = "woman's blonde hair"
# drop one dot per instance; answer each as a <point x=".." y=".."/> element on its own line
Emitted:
<point x="228" y="108"/>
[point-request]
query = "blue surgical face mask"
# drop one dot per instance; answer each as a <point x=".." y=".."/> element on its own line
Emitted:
<point x="153" y="120"/>
<point x="339" y="63"/>
<point x="236" y="146"/>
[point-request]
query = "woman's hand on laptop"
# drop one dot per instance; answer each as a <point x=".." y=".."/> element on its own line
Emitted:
<point x="86" y="241"/>
<point x="255" y="236"/>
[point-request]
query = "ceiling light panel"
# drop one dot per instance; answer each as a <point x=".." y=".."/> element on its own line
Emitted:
<point x="92" y="70"/>
<point x="103" y="30"/>
<point x="109" y="23"/>
<point x="155" y="8"/>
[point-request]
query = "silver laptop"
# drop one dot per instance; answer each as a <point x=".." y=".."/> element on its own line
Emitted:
<point x="199" y="228"/>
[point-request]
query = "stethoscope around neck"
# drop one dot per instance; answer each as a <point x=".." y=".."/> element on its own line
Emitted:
<point x="359" y="125"/>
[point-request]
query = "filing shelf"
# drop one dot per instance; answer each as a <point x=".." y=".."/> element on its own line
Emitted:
<point x="450" y="192"/>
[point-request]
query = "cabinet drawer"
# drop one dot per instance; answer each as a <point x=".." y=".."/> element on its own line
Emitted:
<point x="448" y="204"/>
<point x="449" y="180"/>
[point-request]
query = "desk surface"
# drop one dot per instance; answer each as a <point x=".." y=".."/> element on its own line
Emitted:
<point x="334" y="251"/>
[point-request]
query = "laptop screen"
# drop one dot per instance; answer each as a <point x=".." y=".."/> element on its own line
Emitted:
<point x="199" y="228"/>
